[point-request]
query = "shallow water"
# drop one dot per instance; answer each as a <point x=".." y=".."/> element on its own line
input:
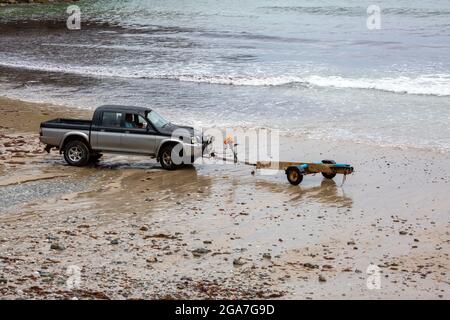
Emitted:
<point x="313" y="70"/>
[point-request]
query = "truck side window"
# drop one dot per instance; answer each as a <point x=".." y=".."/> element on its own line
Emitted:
<point x="111" y="119"/>
<point x="141" y="122"/>
<point x="135" y="121"/>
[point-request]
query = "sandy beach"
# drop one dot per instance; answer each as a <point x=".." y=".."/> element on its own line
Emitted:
<point x="135" y="231"/>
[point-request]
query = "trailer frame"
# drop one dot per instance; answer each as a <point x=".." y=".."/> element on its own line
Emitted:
<point x="296" y="170"/>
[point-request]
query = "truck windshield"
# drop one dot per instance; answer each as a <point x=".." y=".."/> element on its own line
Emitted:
<point x="157" y="120"/>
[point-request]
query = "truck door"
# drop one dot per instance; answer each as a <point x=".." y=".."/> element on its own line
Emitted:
<point x="106" y="135"/>
<point x="138" y="136"/>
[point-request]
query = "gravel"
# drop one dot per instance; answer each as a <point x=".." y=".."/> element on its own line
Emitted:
<point x="21" y="193"/>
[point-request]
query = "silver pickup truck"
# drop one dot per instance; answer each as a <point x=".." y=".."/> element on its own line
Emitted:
<point x="124" y="130"/>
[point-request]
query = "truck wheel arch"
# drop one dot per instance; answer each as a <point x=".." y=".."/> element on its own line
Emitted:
<point x="71" y="137"/>
<point x="164" y="144"/>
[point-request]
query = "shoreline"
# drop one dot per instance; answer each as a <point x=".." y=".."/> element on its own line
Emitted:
<point x="86" y="113"/>
<point x="216" y="231"/>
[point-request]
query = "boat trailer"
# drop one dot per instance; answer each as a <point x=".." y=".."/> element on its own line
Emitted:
<point x="294" y="170"/>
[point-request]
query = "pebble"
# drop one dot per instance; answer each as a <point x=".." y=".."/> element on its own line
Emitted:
<point x="267" y="256"/>
<point x="200" y="251"/>
<point x="57" y="246"/>
<point x="184" y="278"/>
<point x="238" y="262"/>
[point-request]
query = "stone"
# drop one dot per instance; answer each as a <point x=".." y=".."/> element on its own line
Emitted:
<point x="200" y="251"/>
<point x="185" y="278"/>
<point x="57" y="246"/>
<point x="267" y="256"/>
<point x="238" y="262"/>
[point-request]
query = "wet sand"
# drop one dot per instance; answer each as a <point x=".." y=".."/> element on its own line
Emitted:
<point x="216" y="231"/>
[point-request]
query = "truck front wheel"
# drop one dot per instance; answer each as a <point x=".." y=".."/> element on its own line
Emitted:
<point x="165" y="158"/>
<point x="76" y="153"/>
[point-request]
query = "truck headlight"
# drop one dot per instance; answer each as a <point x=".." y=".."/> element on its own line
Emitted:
<point x="194" y="140"/>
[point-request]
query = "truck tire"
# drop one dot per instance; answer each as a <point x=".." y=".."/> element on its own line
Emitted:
<point x="328" y="175"/>
<point x="77" y="153"/>
<point x="165" y="158"/>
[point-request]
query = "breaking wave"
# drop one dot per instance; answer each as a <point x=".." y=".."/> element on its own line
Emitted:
<point x="438" y="85"/>
<point x="434" y="84"/>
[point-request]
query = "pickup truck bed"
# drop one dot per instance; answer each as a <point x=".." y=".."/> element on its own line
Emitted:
<point x="54" y="131"/>
<point x="74" y="124"/>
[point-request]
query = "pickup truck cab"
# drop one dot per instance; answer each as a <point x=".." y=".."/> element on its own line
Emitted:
<point x="123" y="130"/>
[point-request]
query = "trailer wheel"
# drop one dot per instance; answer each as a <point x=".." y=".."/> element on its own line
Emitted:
<point x="294" y="176"/>
<point x="76" y="153"/>
<point x="328" y="175"/>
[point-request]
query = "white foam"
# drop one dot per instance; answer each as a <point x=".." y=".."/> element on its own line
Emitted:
<point x="433" y="84"/>
<point x="438" y="85"/>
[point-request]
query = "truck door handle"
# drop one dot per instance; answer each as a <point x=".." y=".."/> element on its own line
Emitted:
<point x="102" y="130"/>
<point x="127" y="131"/>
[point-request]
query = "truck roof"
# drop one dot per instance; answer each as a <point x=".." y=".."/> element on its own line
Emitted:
<point x="113" y="107"/>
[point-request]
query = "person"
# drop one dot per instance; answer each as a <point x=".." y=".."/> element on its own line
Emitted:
<point x="129" y="121"/>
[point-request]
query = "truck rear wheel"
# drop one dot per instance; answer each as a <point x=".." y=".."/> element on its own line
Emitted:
<point x="76" y="153"/>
